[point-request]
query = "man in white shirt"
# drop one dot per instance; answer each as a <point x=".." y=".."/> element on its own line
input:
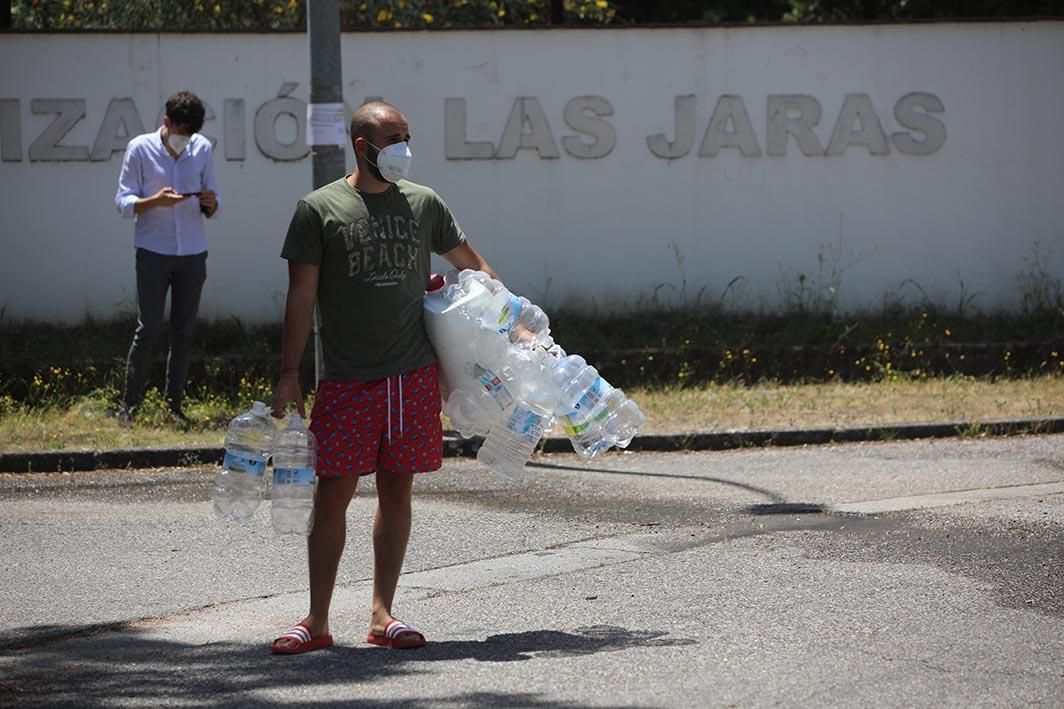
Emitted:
<point x="167" y="186"/>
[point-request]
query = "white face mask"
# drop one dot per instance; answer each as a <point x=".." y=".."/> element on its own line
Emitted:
<point x="393" y="161"/>
<point x="178" y="142"/>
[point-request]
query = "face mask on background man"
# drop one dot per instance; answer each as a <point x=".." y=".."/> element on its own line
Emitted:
<point x="178" y="142"/>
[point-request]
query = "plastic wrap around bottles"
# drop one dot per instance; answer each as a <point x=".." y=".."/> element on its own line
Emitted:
<point x="503" y="377"/>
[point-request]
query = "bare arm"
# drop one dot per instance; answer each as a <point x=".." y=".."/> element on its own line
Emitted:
<point x="298" y="318"/>
<point x="465" y="256"/>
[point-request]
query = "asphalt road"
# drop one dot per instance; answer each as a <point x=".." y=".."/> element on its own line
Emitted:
<point x="923" y="573"/>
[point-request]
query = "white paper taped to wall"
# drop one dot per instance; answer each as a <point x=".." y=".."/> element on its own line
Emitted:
<point x="325" y="124"/>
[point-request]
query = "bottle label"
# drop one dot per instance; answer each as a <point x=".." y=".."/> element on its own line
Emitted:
<point x="594" y="394"/>
<point x="579" y="420"/>
<point x="494" y="386"/>
<point x="242" y="464"/>
<point x="574" y="428"/>
<point x="293" y="476"/>
<point x="576" y="423"/>
<point x="526" y="423"/>
<point x="508" y="314"/>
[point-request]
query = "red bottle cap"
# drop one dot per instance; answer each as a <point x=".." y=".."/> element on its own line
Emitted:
<point x="435" y="282"/>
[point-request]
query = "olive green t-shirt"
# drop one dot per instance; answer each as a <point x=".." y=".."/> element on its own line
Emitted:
<point x="374" y="255"/>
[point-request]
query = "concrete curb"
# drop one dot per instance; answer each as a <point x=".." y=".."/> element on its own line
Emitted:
<point x="456" y="446"/>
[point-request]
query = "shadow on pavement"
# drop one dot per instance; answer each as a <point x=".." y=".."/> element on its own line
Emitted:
<point x="83" y="670"/>
<point x="775" y="497"/>
<point x="509" y="647"/>
<point x="778" y="505"/>
<point x="786" y="508"/>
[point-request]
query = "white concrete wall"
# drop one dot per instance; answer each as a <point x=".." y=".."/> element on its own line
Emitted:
<point x="621" y="226"/>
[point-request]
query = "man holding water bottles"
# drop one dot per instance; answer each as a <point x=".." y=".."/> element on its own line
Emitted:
<point x="360" y="248"/>
<point x="167" y="186"/>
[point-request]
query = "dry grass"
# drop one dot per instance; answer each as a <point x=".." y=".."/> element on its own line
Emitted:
<point x="90" y="426"/>
<point x="714" y="407"/>
<point x="726" y="407"/>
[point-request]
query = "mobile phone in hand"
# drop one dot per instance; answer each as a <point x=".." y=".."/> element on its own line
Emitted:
<point x="191" y="194"/>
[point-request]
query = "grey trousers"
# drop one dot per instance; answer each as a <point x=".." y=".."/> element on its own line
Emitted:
<point x="183" y="276"/>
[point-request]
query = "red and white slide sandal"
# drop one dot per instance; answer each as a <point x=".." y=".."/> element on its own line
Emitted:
<point x="398" y="636"/>
<point x="302" y="642"/>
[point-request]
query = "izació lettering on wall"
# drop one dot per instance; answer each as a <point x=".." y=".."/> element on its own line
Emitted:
<point x="588" y="133"/>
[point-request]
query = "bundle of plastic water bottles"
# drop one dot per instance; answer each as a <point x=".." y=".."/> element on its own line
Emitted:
<point x="503" y="376"/>
<point x="241" y="481"/>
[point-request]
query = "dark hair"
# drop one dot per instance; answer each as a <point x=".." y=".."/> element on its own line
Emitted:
<point x="186" y="110"/>
<point x="367" y="117"/>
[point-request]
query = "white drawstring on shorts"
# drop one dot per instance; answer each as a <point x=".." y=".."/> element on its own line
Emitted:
<point x="399" y="378"/>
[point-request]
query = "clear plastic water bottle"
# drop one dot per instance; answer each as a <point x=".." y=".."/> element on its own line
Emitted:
<point x="531" y="370"/>
<point x="292" y="496"/>
<point x="504" y="377"/>
<point x="468" y="291"/>
<point x="624" y="423"/>
<point x="594" y="415"/>
<point x="586" y="431"/>
<point x="469" y="411"/>
<point x="580" y="392"/>
<point x="484" y="299"/>
<point x="510" y="443"/>
<point x="531" y="329"/>
<point x="488" y="348"/>
<point x="486" y="396"/>
<point x="239" y="482"/>
<point x="613" y="422"/>
<point x="502" y="310"/>
<point x="499" y="385"/>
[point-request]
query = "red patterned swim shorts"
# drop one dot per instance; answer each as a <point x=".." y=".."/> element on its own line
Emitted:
<point x="390" y="425"/>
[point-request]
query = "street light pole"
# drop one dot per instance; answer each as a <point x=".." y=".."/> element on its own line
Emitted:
<point x="326" y="82"/>
<point x="557" y="12"/>
<point x="325" y="139"/>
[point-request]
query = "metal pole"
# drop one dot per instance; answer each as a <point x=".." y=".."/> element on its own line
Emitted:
<point x="326" y="80"/>
<point x="557" y="12"/>
<point x="326" y="87"/>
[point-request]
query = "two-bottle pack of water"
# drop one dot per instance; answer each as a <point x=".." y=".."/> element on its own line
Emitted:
<point x="241" y="482"/>
<point x="503" y="376"/>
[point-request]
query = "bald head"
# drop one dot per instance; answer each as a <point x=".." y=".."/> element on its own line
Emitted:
<point x="371" y="116"/>
<point x="374" y="126"/>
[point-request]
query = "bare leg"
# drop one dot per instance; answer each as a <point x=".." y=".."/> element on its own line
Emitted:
<point x="325" y="545"/>
<point x="391" y="532"/>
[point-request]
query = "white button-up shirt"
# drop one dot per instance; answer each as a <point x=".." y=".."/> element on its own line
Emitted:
<point x="149" y="167"/>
